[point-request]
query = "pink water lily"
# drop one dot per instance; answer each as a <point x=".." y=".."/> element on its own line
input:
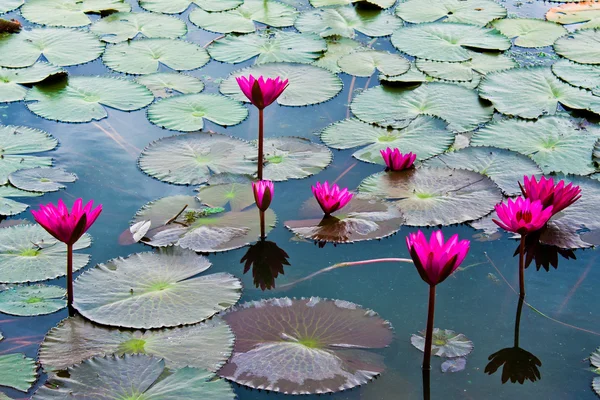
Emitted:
<point x="263" y="194"/>
<point x="522" y="216"/>
<point x="262" y="92"/>
<point x="558" y="196"/>
<point x="331" y="198"/>
<point x="396" y="161"/>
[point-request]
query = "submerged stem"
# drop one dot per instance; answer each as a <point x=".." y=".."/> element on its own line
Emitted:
<point x="518" y="320"/>
<point x="429" y="333"/>
<point x="426" y="384"/>
<point x="260" y="143"/>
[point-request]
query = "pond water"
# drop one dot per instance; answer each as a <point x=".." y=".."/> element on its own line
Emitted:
<point x="477" y="301"/>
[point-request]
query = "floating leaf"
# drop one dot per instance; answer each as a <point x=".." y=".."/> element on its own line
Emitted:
<point x="179" y="6"/>
<point x="596" y="385"/>
<point x="305" y="346"/>
<point x="11" y="79"/>
<point x="445" y="343"/>
<point x="294" y="158"/>
<point x="70" y="13"/>
<point x="32" y="300"/>
<point x="227" y="189"/>
<point x="59" y="46"/>
<point x="582" y="46"/>
<point x="576" y="13"/>
<point x="206" y="345"/>
<point x="307" y="84"/>
<point x="491" y="162"/>
<point x="41" y="179"/>
<point x="18" y="371"/>
<point x="595" y="358"/>
<point x="327" y="3"/>
<point x="164" y="84"/>
<point x="530" y="32"/>
<point x="412" y="76"/>
<point x="481" y="63"/>
<point x="12" y="207"/>
<point x="123" y="26"/>
<point x="269" y="47"/>
<point x="346" y="21"/>
<point x="29" y="254"/>
<point x="454" y="364"/>
<point x="163" y="293"/>
<point x="441" y="41"/>
<point x="9" y="5"/>
<point x="337" y="47"/>
<point x="133" y="377"/>
<point x="435" y="196"/>
<point x="396" y="107"/>
<point x="145" y="56"/>
<point x="579" y="75"/>
<point x="474" y="12"/>
<point x="82" y="98"/>
<point x="425" y="136"/>
<point x="366" y="62"/>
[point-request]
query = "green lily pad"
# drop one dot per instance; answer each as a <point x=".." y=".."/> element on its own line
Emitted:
<point x="586" y="14"/>
<point x="412" y="76"/>
<point x="305" y="346"/>
<point x="530" y="32"/>
<point x="556" y="144"/>
<point x="243" y="18"/>
<point x="11" y="79"/>
<point x="435" y="196"/>
<point x="346" y="21"/>
<point x="227" y="189"/>
<point x="69" y="13"/>
<point x="337" y="47"/>
<point x="133" y="377"/>
<point x="61" y="47"/>
<point x="41" y="179"/>
<point x="425" y="136"/>
<point x="482" y="63"/>
<point x="82" y="98"/>
<point x="491" y="162"/>
<point x="34" y="300"/>
<point x="269" y="47"/>
<point x="294" y="158"/>
<point x="578" y="75"/>
<point x="9" y="5"/>
<point x="179" y="6"/>
<point x="596" y="385"/>
<point x="396" y="107"/>
<point x="123" y="26"/>
<point x="29" y="254"/>
<point x="445" y="343"/>
<point x="206" y="345"/>
<point x="18" y="371"/>
<point x="165" y="84"/>
<point x="163" y="293"/>
<point x="474" y="12"/>
<point x="532" y="92"/>
<point x="307" y="84"/>
<point x="12" y="207"/>
<point x="595" y="358"/>
<point x="582" y="46"/>
<point x="366" y="62"/>
<point x="145" y="56"/>
<point x="445" y="41"/>
<point x="327" y="3"/>
<point x="16" y="143"/>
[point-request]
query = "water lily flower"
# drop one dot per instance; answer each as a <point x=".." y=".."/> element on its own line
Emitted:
<point x="262" y="92"/>
<point x="331" y="198"/>
<point x="522" y="216"/>
<point x="558" y="196"/>
<point x="263" y="194"/>
<point x="396" y="161"/>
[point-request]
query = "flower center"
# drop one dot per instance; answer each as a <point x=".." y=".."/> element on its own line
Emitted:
<point x="34" y="300"/>
<point x="524" y="216"/>
<point x="134" y="346"/>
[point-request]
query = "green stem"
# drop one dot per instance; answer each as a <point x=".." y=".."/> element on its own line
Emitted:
<point x="429" y="334"/>
<point x="522" y="267"/>
<point x="260" y="143"/>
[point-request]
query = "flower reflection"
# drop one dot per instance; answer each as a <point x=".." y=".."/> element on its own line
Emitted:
<point x="267" y="261"/>
<point x="544" y="255"/>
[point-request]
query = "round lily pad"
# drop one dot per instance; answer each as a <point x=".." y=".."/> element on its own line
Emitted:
<point x="206" y="345"/>
<point x="179" y="6"/>
<point x="481" y="63"/>
<point x="166" y="84"/>
<point x="123" y="26"/>
<point x="9" y="5"/>
<point x="145" y="56"/>
<point x="412" y="76"/>
<point x="327" y="3"/>
<point x="530" y="32"/>
<point x="307" y="84"/>
<point x="435" y="196"/>
<point x="59" y="46"/>
<point x="579" y="75"/>
<point x="227" y="189"/>
<point x="585" y="13"/>
<point x="532" y="92"/>
<point x="32" y="300"/>
<point x="347" y="21"/>
<point x="366" y="62"/>
<point x="163" y="293"/>
<point x="29" y="254"/>
<point x="12" y="207"/>
<point x="364" y="218"/>
<point x="133" y="377"/>
<point x="41" y="179"/>
<point x="70" y="13"/>
<point x="293" y="158"/>
<point x="445" y="343"/>
<point x="396" y="107"/>
<point x="582" y="46"/>
<point x="11" y="79"/>
<point x="474" y="12"/>
<point x="337" y="47"/>
<point x="82" y="98"/>
<point x="596" y="385"/>
<point x="278" y="46"/>
<point x="18" y="371"/>
<point x="445" y="41"/>
<point x="305" y="346"/>
<point x="425" y="136"/>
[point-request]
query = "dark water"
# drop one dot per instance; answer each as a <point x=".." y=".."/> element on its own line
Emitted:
<point x="473" y="302"/>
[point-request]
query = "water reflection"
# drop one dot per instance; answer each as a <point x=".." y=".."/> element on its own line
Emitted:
<point x="267" y="261"/>
<point x="544" y="255"/>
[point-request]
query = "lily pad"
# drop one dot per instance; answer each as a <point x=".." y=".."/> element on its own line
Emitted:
<point x="445" y="343"/>
<point x="206" y="345"/>
<point x="481" y="63"/>
<point x="133" y="376"/>
<point x="29" y="254"/>
<point x="454" y="364"/>
<point x="578" y="75"/>
<point x="474" y="12"/>
<point x="18" y="371"/>
<point x="179" y="6"/>
<point x="11" y="79"/>
<point x="122" y="26"/>
<point x="327" y="3"/>
<point x="435" y="196"/>
<point x="165" y="84"/>
<point x="595" y="358"/>
<point x="582" y="46"/>
<point x="9" y="5"/>
<point x="294" y="158"/>
<point x="41" y="179"/>
<point x="530" y="32"/>
<point x="491" y="162"/>
<point x="61" y="47"/>
<point x="425" y="136"/>
<point x="347" y="21"/>
<point x="32" y="300"/>
<point x="11" y="207"/>
<point x="532" y="92"/>
<point x="269" y="47"/>
<point x="337" y="47"/>
<point x="586" y="13"/>
<point x="556" y="144"/>
<point x="596" y="385"/>
<point x="82" y="98"/>
<point x="305" y="346"/>
<point x="307" y="84"/>
<point x="227" y="189"/>
<point x="366" y="62"/>
<point x="445" y="41"/>
<point x="396" y="107"/>
<point x="145" y="56"/>
<point x="69" y="13"/>
<point x="163" y="293"/>
<point x="412" y="76"/>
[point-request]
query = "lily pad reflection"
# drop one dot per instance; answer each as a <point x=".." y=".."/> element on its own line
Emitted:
<point x="446" y="343"/>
